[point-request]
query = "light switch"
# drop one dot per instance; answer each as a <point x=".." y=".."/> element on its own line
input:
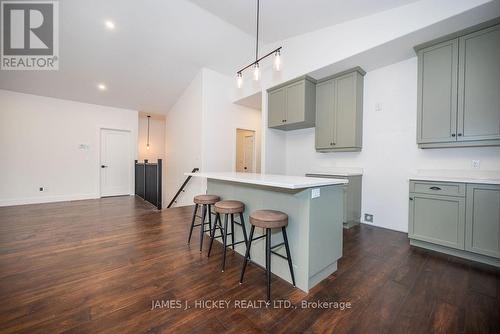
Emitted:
<point x="315" y="193"/>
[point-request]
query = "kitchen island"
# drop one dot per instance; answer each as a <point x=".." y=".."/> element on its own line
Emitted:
<point x="315" y="213"/>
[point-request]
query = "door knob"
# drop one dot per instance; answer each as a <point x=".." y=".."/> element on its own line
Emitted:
<point x="245" y="168"/>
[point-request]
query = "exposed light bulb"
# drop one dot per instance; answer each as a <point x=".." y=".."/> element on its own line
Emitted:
<point x="147" y="147"/>
<point x="102" y="86"/>
<point x="256" y="72"/>
<point x="109" y="24"/>
<point x="277" y="61"/>
<point x="239" y="80"/>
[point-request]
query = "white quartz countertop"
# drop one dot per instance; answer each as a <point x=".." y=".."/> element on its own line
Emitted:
<point x="458" y="179"/>
<point x="331" y="174"/>
<point x="271" y="180"/>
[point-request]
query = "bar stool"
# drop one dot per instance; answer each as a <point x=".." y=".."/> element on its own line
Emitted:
<point x="268" y="219"/>
<point x="206" y="201"/>
<point x="228" y="208"/>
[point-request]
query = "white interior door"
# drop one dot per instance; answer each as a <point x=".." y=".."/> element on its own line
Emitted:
<point x="249" y="152"/>
<point x="115" y="162"/>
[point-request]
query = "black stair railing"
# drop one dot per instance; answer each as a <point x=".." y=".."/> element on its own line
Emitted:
<point x="148" y="181"/>
<point x="181" y="189"/>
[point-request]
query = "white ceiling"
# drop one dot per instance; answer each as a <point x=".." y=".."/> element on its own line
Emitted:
<point x="280" y="19"/>
<point x="146" y="62"/>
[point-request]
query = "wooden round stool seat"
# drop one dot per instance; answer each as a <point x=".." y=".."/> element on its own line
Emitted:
<point x="206" y="199"/>
<point x="229" y="207"/>
<point x="269" y="219"/>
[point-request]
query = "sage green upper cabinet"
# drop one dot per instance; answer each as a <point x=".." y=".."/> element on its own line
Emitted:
<point x="479" y="86"/>
<point x="458" y="89"/>
<point x="277" y="103"/>
<point x="437" y="93"/>
<point x="483" y="219"/>
<point x="339" y="112"/>
<point x="291" y="105"/>
<point x="324" y="119"/>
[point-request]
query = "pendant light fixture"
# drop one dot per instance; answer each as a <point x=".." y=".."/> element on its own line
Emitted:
<point x="147" y="145"/>
<point x="255" y="64"/>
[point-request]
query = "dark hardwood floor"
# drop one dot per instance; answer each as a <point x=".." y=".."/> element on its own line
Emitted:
<point x="96" y="266"/>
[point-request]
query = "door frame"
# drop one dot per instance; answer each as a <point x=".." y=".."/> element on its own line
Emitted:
<point x="131" y="191"/>
<point x="236" y="148"/>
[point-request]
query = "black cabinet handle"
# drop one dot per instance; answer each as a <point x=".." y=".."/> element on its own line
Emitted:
<point x="453" y="135"/>
<point x="104" y="166"/>
<point x="460" y="135"/>
<point x="435" y="188"/>
<point x="411" y="199"/>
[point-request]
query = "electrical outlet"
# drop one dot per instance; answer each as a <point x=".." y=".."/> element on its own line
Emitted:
<point x="315" y="192"/>
<point x="476" y="164"/>
<point x="368" y="218"/>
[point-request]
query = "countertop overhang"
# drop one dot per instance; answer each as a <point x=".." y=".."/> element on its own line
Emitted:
<point x="271" y="180"/>
<point x="455" y="179"/>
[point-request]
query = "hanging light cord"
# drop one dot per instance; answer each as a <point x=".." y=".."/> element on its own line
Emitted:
<point x="257" y="59"/>
<point x="148" y="131"/>
<point x="257" y="35"/>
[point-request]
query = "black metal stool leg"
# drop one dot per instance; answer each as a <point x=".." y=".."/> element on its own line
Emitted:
<point x="244" y="230"/>
<point x="232" y="229"/>
<point x="212" y="233"/>
<point x="202" y="226"/>
<point x="192" y="222"/>
<point x="247" y="254"/>
<point x="225" y="242"/>
<point x="288" y="255"/>
<point x="210" y="217"/>
<point x="268" y="262"/>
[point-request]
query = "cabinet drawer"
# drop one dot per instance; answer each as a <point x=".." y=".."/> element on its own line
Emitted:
<point x="438" y="188"/>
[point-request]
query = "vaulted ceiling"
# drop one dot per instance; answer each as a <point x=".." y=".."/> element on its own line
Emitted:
<point x="158" y="46"/>
<point x="280" y="19"/>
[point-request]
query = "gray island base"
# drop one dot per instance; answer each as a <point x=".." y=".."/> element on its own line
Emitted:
<point x="314" y="227"/>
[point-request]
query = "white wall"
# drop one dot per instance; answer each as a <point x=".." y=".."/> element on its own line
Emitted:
<point x="183" y="143"/>
<point x="156" y="138"/>
<point x="201" y="132"/>
<point x="390" y="154"/>
<point x="312" y="51"/>
<point x="39" y="147"/>
<point x="221" y="118"/>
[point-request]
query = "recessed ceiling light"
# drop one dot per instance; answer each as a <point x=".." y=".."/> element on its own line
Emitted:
<point x="110" y="24"/>
<point x="102" y="87"/>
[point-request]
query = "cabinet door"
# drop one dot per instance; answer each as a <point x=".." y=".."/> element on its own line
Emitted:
<point x="479" y="85"/>
<point x="324" y="115"/>
<point x="483" y="219"/>
<point x="295" y="102"/>
<point x="276" y="107"/>
<point x="344" y="130"/>
<point x="437" y="219"/>
<point x="437" y="93"/>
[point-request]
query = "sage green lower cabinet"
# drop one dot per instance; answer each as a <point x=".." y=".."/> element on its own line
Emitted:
<point x="352" y="196"/>
<point x="483" y="219"/>
<point x="437" y="219"/>
<point x="460" y="219"/>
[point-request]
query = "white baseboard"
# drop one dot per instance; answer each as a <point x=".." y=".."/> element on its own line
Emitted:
<point x="46" y="199"/>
